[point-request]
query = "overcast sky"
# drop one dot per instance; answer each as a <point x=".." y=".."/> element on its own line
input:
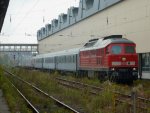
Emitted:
<point x="25" y="17"/>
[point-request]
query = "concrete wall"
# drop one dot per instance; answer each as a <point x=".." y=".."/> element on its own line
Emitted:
<point x="131" y="18"/>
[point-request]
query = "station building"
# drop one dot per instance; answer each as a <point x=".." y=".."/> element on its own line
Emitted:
<point x="99" y="18"/>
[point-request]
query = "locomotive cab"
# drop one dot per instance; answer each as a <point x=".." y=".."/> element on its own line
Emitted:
<point x="112" y="56"/>
<point x="122" y="61"/>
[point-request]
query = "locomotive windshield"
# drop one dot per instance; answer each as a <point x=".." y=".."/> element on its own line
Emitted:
<point x="116" y="49"/>
<point x="129" y="49"/>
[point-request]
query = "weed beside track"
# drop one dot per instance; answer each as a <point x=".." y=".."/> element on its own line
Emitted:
<point x="103" y="103"/>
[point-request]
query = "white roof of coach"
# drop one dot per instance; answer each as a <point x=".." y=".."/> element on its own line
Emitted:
<point x="101" y="43"/>
<point x="59" y="53"/>
<point x="68" y="52"/>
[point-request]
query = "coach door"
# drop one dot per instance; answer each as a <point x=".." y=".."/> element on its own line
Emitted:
<point x="56" y="62"/>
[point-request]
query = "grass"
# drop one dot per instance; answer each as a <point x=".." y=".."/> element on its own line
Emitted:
<point x="142" y="87"/>
<point x="15" y="102"/>
<point x="103" y="103"/>
<point x="41" y="102"/>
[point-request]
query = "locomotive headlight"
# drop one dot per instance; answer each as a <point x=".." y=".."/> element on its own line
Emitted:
<point x="123" y="59"/>
<point x="113" y="69"/>
<point x="134" y="69"/>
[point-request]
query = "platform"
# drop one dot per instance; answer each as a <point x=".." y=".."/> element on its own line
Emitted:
<point x="3" y="105"/>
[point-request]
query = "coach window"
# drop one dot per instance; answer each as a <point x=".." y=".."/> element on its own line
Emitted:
<point x="68" y="59"/>
<point x="75" y="58"/>
<point x="71" y="59"/>
<point x="51" y="60"/>
<point x="60" y="59"/>
<point x="64" y="59"/>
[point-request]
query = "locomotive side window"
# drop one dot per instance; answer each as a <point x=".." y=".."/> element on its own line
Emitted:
<point x="116" y="49"/>
<point x="129" y="49"/>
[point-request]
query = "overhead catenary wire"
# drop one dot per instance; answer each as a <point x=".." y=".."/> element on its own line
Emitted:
<point x="13" y="17"/>
<point x="19" y="11"/>
<point x="25" y="16"/>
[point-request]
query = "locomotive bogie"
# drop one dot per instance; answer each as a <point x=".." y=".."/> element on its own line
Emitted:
<point x="123" y="74"/>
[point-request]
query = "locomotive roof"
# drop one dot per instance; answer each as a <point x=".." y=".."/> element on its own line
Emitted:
<point x="59" y="53"/>
<point x="92" y="44"/>
<point x="103" y="42"/>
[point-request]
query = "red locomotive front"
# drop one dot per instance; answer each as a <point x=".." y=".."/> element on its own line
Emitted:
<point x="122" y="61"/>
<point x="112" y="56"/>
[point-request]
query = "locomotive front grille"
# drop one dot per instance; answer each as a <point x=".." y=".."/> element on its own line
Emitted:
<point x="131" y="63"/>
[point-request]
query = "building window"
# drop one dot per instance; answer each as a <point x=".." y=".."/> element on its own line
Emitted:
<point x="146" y="62"/>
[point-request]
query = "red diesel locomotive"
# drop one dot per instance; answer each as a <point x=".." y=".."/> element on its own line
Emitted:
<point x="110" y="57"/>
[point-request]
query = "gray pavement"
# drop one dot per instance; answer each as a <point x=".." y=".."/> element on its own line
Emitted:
<point x="3" y="105"/>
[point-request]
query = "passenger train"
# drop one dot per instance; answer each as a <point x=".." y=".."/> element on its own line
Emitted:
<point x="111" y="57"/>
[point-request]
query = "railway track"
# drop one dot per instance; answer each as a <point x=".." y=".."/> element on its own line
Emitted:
<point x="58" y="102"/>
<point x="131" y="99"/>
<point x="30" y="105"/>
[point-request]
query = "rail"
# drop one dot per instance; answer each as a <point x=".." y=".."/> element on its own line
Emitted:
<point x="27" y="101"/>
<point x="96" y="90"/>
<point x="46" y="94"/>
